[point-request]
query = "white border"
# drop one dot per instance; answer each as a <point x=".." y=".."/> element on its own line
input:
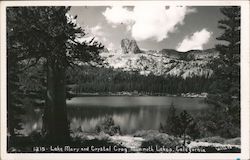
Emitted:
<point x="245" y="72"/>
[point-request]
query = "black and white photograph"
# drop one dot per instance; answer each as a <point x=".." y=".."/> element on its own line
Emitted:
<point x="125" y="78"/>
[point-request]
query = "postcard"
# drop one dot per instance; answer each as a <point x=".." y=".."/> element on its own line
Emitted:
<point x="125" y="80"/>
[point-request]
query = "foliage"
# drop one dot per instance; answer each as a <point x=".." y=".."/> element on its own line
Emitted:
<point x="233" y="141"/>
<point x="103" y="80"/>
<point x="33" y="80"/>
<point x="155" y="138"/>
<point x="215" y="139"/>
<point x="49" y="34"/>
<point x="185" y="120"/>
<point x="180" y="125"/>
<point x="108" y="126"/>
<point x="156" y="143"/>
<point x="225" y="90"/>
<point x="172" y="121"/>
<point x="15" y="107"/>
<point x="193" y="130"/>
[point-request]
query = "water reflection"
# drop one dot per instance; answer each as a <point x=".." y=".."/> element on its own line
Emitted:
<point x="130" y="113"/>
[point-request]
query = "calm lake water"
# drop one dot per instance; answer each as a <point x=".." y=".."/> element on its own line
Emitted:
<point x="129" y="112"/>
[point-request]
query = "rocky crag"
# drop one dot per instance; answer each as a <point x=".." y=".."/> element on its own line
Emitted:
<point x="164" y="62"/>
<point x="129" y="46"/>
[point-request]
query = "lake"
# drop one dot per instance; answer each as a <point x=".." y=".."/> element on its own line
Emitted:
<point x="131" y="113"/>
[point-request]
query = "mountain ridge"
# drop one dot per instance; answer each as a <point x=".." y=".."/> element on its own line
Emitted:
<point x="161" y="63"/>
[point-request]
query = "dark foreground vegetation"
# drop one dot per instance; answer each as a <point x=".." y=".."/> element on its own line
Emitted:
<point x="104" y="140"/>
<point x="42" y="52"/>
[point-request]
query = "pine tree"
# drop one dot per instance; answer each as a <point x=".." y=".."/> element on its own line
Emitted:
<point x="193" y="130"/>
<point x="33" y="80"/>
<point x="49" y="33"/>
<point x="172" y="122"/>
<point x="185" y="121"/>
<point x="225" y="91"/>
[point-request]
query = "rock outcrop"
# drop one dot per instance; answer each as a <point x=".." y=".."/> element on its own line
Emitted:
<point x="129" y="46"/>
<point x="167" y="62"/>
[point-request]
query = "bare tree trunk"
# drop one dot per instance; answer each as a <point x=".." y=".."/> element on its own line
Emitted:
<point x="55" y="123"/>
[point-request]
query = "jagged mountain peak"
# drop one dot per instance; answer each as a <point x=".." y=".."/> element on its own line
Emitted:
<point x="129" y="46"/>
<point x="164" y="62"/>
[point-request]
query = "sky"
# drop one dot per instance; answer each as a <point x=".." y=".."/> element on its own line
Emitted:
<point x="181" y="28"/>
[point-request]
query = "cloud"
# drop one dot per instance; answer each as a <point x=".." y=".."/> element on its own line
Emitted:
<point x="97" y="30"/>
<point x="148" y="22"/>
<point x="196" y="41"/>
<point x="118" y="15"/>
<point x="110" y="46"/>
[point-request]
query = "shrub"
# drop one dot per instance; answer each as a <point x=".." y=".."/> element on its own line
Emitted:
<point x="108" y="126"/>
<point x="233" y="141"/>
<point x="215" y="139"/>
<point x="154" y="138"/>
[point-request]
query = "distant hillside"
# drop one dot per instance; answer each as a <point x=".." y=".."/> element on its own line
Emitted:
<point x="164" y="62"/>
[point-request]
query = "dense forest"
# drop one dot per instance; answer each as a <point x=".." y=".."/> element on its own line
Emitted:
<point x="96" y="79"/>
<point x="90" y="79"/>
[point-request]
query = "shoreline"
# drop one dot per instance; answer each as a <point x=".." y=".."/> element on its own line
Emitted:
<point x="136" y="94"/>
<point x="135" y="141"/>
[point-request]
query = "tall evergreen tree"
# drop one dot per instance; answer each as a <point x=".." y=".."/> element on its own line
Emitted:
<point x="225" y="91"/>
<point x="172" y="122"/>
<point x="50" y="33"/>
<point x="185" y="122"/>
